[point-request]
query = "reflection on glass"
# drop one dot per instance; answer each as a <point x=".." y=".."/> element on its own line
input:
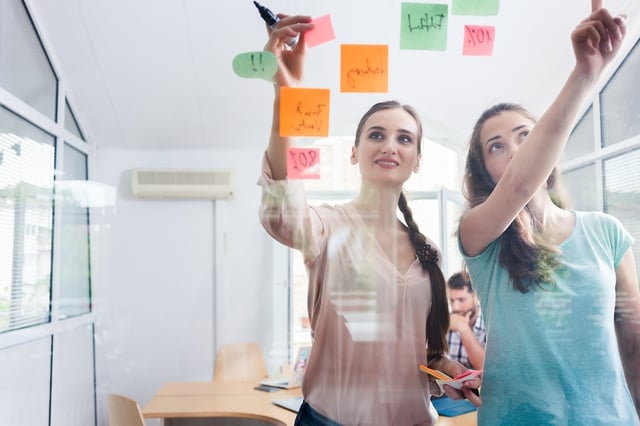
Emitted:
<point x="25" y="70"/>
<point x="622" y="192"/>
<point x="26" y="198"/>
<point x="452" y="256"/>
<point x="72" y="209"/>
<point x="581" y="139"/>
<point x="620" y="101"/>
<point x="426" y="213"/>
<point x="581" y="185"/>
<point x="70" y="122"/>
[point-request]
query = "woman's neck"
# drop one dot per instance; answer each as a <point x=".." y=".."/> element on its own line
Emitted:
<point x="542" y="207"/>
<point x="553" y="221"/>
<point x="378" y="207"/>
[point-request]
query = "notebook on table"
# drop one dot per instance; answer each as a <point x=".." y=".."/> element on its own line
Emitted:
<point x="297" y="372"/>
<point x="292" y="404"/>
<point x="448" y="407"/>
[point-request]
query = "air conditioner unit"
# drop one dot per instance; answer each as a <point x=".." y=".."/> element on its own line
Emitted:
<point x="175" y="184"/>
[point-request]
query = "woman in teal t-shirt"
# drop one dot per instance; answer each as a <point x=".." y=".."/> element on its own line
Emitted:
<point x="558" y="288"/>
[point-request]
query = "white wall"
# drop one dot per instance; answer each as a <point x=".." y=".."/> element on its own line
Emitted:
<point x="154" y="273"/>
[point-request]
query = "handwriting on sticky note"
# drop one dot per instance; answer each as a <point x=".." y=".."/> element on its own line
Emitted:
<point x="478" y="40"/>
<point x="303" y="163"/>
<point x="364" y="68"/>
<point x="322" y="31"/>
<point x="475" y="7"/>
<point x="423" y="26"/>
<point x="304" y="111"/>
<point x="255" y="65"/>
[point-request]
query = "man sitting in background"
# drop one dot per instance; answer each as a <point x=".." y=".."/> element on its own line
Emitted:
<point x="467" y="336"/>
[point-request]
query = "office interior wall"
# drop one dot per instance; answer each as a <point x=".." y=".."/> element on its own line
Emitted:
<point x="154" y="275"/>
<point x="72" y="397"/>
<point x="25" y="372"/>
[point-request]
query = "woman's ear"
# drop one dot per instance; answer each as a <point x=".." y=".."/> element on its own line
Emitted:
<point x="416" y="168"/>
<point x="354" y="155"/>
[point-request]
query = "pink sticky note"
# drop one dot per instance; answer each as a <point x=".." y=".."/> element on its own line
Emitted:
<point x="303" y="163"/>
<point x="322" y="31"/>
<point x="478" y="40"/>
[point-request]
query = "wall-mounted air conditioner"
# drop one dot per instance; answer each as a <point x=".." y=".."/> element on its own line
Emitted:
<point x="174" y="184"/>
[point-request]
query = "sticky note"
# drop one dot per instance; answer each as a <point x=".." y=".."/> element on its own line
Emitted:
<point x="322" y="31"/>
<point x="255" y="65"/>
<point x="304" y="111"/>
<point x="475" y="7"/>
<point x="478" y="40"/>
<point x="423" y="26"/>
<point x="303" y="163"/>
<point x="364" y="68"/>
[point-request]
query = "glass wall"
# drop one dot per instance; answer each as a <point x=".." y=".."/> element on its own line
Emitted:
<point x="26" y="222"/>
<point x="25" y="70"/>
<point x="608" y="178"/>
<point x="46" y="324"/>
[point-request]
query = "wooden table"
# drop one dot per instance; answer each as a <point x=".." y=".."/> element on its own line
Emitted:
<point x="188" y="403"/>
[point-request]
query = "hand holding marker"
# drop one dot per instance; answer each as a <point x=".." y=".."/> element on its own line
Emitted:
<point x="272" y="19"/>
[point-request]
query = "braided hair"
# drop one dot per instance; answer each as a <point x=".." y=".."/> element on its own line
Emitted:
<point x="438" y="319"/>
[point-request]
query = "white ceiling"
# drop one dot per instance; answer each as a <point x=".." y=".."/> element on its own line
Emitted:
<point x="156" y="74"/>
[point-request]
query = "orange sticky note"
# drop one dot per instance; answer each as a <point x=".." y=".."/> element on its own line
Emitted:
<point x="364" y="68"/>
<point x="304" y="112"/>
<point x="322" y="31"/>
<point x="478" y="40"/>
<point x="303" y="163"/>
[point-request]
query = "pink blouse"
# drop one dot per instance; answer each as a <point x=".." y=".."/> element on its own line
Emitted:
<point x="368" y="319"/>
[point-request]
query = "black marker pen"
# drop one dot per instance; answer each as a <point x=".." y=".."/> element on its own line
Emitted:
<point x="272" y="19"/>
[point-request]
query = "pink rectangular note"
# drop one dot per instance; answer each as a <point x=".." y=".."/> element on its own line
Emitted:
<point x="478" y="40"/>
<point x="322" y="31"/>
<point x="303" y="163"/>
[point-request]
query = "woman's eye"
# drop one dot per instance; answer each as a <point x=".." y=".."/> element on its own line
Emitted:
<point x="523" y="135"/>
<point x="376" y="136"/>
<point x="495" y="146"/>
<point x="405" y="139"/>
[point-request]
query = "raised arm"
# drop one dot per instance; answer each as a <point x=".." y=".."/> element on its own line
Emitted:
<point x="596" y="40"/>
<point x="290" y="72"/>
<point x="628" y="323"/>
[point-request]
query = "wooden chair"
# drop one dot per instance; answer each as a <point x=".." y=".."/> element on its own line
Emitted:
<point x="124" y="411"/>
<point x="239" y="362"/>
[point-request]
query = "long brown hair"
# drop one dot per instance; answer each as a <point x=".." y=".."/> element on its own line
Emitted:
<point x="524" y="252"/>
<point x="438" y="320"/>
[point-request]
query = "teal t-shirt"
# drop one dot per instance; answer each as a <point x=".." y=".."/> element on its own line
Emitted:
<point x="551" y="356"/>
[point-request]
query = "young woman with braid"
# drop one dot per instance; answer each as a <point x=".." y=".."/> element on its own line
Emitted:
<point x="558" y="288"/>
<point x="377" y="299"/>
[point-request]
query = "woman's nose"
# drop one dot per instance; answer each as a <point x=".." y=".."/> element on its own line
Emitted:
<point x="389" y="147"/>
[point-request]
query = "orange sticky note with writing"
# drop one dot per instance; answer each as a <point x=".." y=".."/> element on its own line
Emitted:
<point x="303" y="163"/>
<point x="364" y="68"/>
<point x="478" y="40"/>
<point x="304" y="112"/>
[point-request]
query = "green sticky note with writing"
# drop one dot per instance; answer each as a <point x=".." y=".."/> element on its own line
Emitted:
<point x="423" y="26"/>
<point x="255" y="65"/>
<point x="475" y="7"/>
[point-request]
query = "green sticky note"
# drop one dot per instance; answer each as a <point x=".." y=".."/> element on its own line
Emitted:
<point x="475" y="7"/>
<point x="423" y="26"/>
<point x="255" y="65"/>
